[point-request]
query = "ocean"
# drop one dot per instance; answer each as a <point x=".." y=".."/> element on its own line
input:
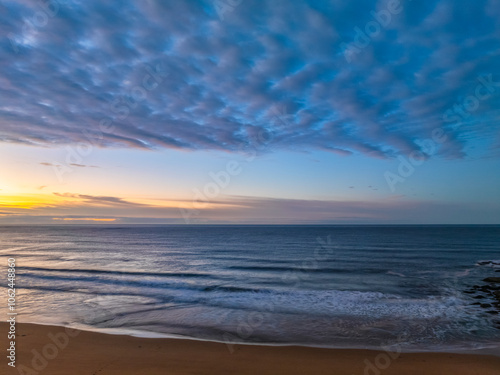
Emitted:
<point x="418" y="287"/>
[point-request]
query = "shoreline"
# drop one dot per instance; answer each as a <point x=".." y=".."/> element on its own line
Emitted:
<point x="486" y="350"/>
<point x="54" y="350"/>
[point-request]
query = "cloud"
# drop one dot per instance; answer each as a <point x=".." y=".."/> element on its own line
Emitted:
<point x="7" y="213"/>
<point x="393" y="210"/>
<point x="82" y="165"/>
<point x="99" y="200"/>
<point x="71" y="164"/>
<point x="173" y="74"/>
<point x="85" y="219"/>
<point x="251" y="210"/>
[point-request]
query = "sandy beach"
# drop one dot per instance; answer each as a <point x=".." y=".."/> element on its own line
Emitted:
<point x="61" y="351"/>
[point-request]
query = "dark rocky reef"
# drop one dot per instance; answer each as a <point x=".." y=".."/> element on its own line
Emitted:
<point x="492" y="280"/>
<point x="488" y="294"/>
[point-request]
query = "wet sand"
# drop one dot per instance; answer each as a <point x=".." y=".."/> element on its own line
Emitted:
<point x="60" y="351"/>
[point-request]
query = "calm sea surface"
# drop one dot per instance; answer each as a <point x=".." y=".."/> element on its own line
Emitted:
<point x="336" y="286"/>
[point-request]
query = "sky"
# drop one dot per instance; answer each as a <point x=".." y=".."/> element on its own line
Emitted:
<point x="250" y="112"/>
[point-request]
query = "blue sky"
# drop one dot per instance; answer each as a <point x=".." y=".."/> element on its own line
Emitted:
<point x="326" y="111"/>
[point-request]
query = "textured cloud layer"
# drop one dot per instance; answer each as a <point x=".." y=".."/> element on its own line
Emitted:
<point x="299" y="75"/>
